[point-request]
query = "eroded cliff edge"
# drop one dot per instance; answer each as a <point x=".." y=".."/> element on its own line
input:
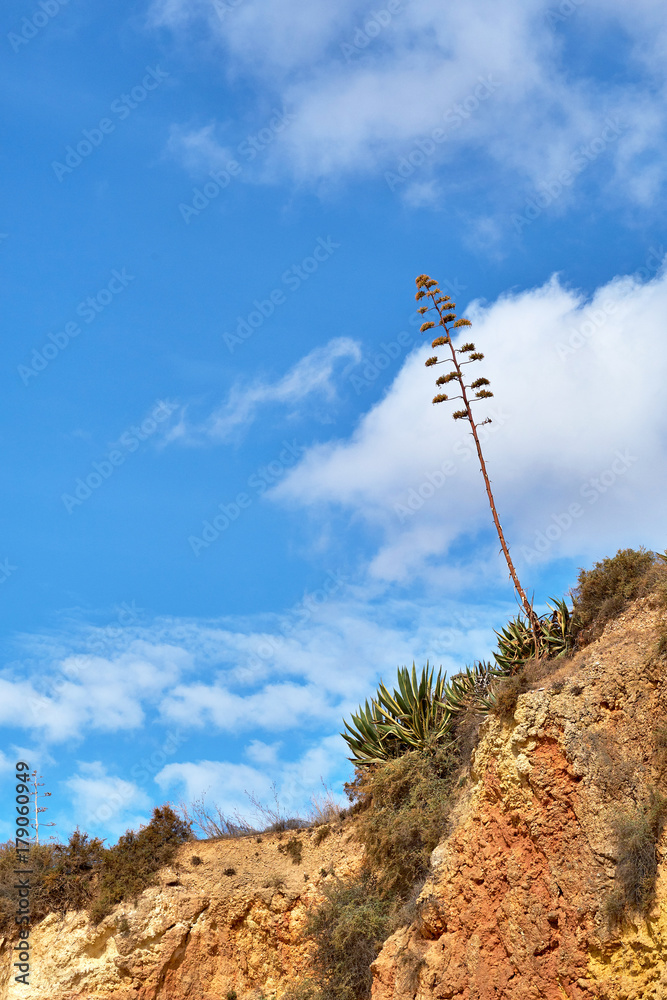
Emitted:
<point x="514" y="904"/>
<point x="233" y="922"/>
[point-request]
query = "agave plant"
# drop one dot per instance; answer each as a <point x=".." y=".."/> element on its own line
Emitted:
<point x="468" y="688"/>
<point x="412" y="718"/>
<point x="555" y="635"/>
<point x="424" y="710"/>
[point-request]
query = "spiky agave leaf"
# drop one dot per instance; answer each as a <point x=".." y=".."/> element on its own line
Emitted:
<point x="555" y="635"/>
<point x="409" y="718"/>
<point x="470" y="689"/>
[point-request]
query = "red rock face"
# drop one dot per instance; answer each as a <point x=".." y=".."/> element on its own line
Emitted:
<point x="512" y="909"/>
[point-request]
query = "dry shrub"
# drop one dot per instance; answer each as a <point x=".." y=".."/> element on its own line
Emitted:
<point x="466" y="733"/>
<point x="660" y="734"/>
<point x="307" y="989"/>
<point x="660" y="740"/>
<point x="637" y="834"/>
<point x="324" y="808"/>
<point x="660" y="648"/>
<point x="83" y="874"/>
<point x="348" y="930"/>
<point x="506" y="693"/>
<point x="407" y="912"/>
<point x="604" y="591"/>
<point x="411" y="964"/>
<point x="293" y="848"/>
<point x="212" y="822"/>
<point x="320" y="834"/>
<point x="276" y="820"/>
<point x="409" y="804"/>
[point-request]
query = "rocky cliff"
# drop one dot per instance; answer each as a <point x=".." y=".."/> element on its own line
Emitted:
<point x="514" y="906"/>
<point x="232" y="922"/>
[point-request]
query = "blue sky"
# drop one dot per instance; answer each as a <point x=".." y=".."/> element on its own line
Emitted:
<point x="229" y="505"/>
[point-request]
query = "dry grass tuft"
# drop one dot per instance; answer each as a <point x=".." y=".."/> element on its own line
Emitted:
<point x="636" y="834"/>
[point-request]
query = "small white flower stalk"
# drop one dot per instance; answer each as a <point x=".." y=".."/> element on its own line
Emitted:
<point x="443" y="307"/>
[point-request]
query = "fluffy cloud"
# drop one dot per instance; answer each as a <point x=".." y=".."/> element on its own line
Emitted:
<point x="235" y="789"/>
<point x="105" y="800"/>
<point x="577" y="419"/>
<point x="79" y="693"/>
<point x="367" y="84"/>
<point x="307" y="666"/>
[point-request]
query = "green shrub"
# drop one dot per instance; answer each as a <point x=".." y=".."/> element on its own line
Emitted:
<point x="636" y="834"/>
<point x="348" y="930"/>
<point x="62" y="877"/>
<point x="603" y="592"/>
<point x="408" y="804"/>
<point x="40" y="863"/>
<point x="130" y="866"/>
<point x="69" y="883"/>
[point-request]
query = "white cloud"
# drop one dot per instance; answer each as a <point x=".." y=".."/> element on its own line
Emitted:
<point x="198" y="149"/>
<point x="365" y="90"/>
<point x="85" y="692"/>
<point x="105" y="800"/>
<point x="263" y="753"/>
<point x="275" y="707"/>
<point x="307" y="666"/>
<point x="312" y="376"/>
<point x="284" y="786"/>
<point x="220" y="783"/>
<point x="576" y="384"/>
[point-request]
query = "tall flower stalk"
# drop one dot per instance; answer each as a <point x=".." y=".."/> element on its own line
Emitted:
<point x="443" y="306"/>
